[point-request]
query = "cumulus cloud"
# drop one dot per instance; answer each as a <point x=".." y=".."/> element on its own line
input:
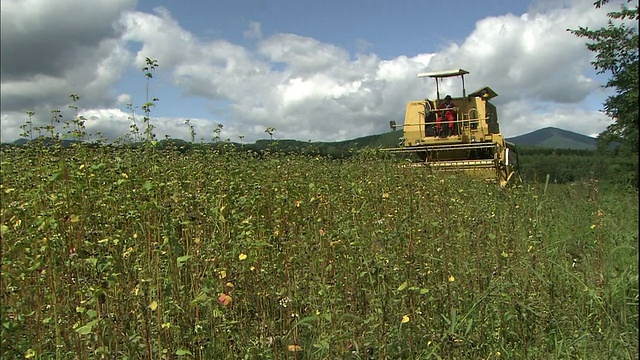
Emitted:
<point x="305" y="88"/>
<point x="115" y="124"/>
<point x="529" y="56"/>
<point x="49" y="51"/>
<point x="48" y="37"/>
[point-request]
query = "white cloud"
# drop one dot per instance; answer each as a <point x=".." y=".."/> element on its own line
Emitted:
<point x="159" y="35"/>
<point x="49" y="51"/>
<point x="531" y="56"/>
<point x="254" y="31"/>
<point x="115" y="123"/>
<point x="302" y="55"/>
<point x="123" y="99"/>
<point x="48" y="37"/>
<point x="523" y="116"/>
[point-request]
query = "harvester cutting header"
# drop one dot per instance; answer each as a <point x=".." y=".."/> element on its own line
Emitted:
<point x="458" y="133"/>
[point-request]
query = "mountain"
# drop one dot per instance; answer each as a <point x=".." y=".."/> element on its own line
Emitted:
<point x="550" y="138"/>
<point x="554" y="138"/>
<point x="41" y="140"/>
<point x="384" y="140"/>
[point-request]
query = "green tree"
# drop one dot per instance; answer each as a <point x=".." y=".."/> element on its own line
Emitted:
<point x="616" y="48"/>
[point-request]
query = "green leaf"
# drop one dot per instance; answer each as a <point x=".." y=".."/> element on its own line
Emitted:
<point x="307" y="320"/>
<point x="86" y="329"/>
<point x="183" y="259"/>
<point x="202" y="297"/>
<point x="182" y="352"/>
<point x="469" y="325"/>
<point x="147" y="185"/>
<point x="403" y="286"/>
<point x="92" y="261"/>
<point x="97" y="166"/>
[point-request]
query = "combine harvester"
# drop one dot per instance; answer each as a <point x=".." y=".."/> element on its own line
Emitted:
<point x="458" y="133"/>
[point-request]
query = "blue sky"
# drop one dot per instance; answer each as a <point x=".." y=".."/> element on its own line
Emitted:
<point x="314" y="70"/>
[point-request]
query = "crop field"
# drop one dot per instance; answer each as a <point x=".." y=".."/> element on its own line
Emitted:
<point x="121" y="253"/>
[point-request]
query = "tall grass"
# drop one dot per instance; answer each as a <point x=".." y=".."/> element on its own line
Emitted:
<point x="138" y="253"/>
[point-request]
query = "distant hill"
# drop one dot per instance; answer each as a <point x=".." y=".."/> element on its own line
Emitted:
<point x="385" y="140"/>
<point x="42" y="140"/>
<point x="554" y="138"/>
<point x="550" y="138"/>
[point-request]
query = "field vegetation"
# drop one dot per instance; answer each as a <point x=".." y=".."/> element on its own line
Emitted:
<point x="141" y="253"/>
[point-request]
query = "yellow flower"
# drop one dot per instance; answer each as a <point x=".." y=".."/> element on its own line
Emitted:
<point x="294" y="347"/>
<point x="385" y="195"/>
<point x="242" y="256"/>
<point x="451" y="278"/>
<point x="405" y="319"/>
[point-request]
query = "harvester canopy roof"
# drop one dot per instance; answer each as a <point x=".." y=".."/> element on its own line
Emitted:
<point x="443" y="74"/>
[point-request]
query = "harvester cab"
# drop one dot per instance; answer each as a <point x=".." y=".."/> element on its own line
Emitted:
<point x="459" y="133"/>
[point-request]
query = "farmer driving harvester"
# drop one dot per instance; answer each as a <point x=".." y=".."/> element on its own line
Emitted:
<point x="448" y="113"/>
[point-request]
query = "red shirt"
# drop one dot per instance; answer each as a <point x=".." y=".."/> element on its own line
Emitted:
<point x="448" y="114"/>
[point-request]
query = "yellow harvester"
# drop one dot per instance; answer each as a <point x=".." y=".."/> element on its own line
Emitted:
<point x="464" y="137"/>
